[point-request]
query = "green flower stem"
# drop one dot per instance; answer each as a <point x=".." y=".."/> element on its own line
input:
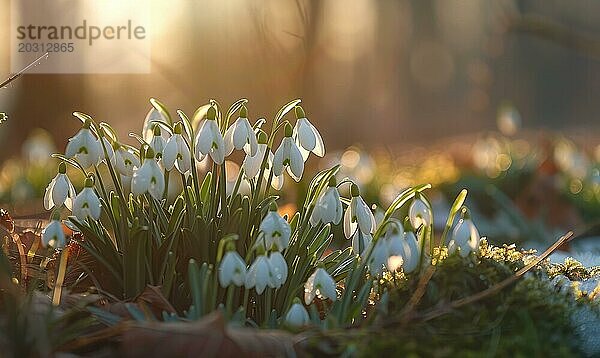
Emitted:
<point x="223" y="193"/>
<point x="236" y="187"/>
<point x="267" y="307"/>
<point x="229" y="302"/>
<point x="115" y="178"/>
<point x="246" y="298"/>
<point x="166" y="191"/>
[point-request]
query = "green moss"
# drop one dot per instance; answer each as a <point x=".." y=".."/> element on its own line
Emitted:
<point x="530" y="318"/>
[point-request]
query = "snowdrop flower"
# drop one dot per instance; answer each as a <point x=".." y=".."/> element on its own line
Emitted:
<point x="288" y="156"/>
<point x="240" y="135"/>
<point x="60" y="190"/>
<point x="124" y="160"/>
<point x="259" y="274"/>
<point x="252" y="163"/>
<point x="297" y="316"/>
<point x="84" y="147"/>
<point x="86" y="204"/>
<point x="279" y="269"/>
<point x="403" y="249"/>
<point x="148" y="178"/>
<point x="53" y="234"/>
<point x="360" y="242"/>
<point x="419" y="212"/>
<point x="232" y="270"/>
<point x="465" y="237"/>
<point x="176" y="152"/>
<point x="328" y="208"/>
<point x="209" y="139"/>
<point x="412" y="252"/>
<point x="379" y="257"/>
<point x="358" y="215"/>
<point x="158" y="141"/>
<point x="275" y="229"/>
<point x="320" y="284"/>
<point x="307" y="136"/>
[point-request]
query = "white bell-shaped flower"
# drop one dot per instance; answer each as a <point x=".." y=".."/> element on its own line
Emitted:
<point x="275" y="230"/>
<point x="379" y="257"/>
<point x="412" y="252"/>
<point x="53" y="234"/>
<point x="84" y="147"/>
<point x="209" y="140"/>
<point x="297" y="316"/>
<point x="124" y="160"/>
<point x="259" y="274"/>
<point x="403" y="249"/>
<point x="148" y="178"/>
<point x="419" y="212"/>
<point x="279" y="269"/>
<point x="158" y="141"/>
<point x="288" y="156"/>
<point x="240" y="135"/>
<point x="176" y="152"/>
<point x="361" y="242"/>
<point x="358" y="215"/>
<point x="60" y="190"/>
<point x="328" y="208"/>
<point x="232" y="270"/>
<point x="252" y="163"/>
<point x="86" y="204"/>
<point x="465" y="236"/>
<point x="320" y="284"/>
<point x="307" y="136"/>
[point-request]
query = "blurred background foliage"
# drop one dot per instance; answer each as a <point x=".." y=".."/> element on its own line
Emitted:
<point x="379" y="73"/>
<point x="457" y="93"/>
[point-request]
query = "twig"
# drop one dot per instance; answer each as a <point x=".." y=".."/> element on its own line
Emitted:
<point x="25" y="69"/>
<point x="499" y="286"/>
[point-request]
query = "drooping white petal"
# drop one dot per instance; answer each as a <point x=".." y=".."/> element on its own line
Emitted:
<point x="361" y="242"/>
<point x="320" y="283"/>
<point x="210" y="141"/>
<point x="466" y="237"/>
<point x="419" y="213"/>
<point x="364" y="216"/>
<point x="252" y="163"/>
<point x="124" y="161"/>
<point x="278" y="159"/>
<point x="325" y="285"/>
<point x="53" y="234"/>
<point x="258" y="274"/>
<point x="328" y="208"/>
<point x="296" y="166"/>
<point x="378" y="259"/>
<point x="276" y="231"/>
<point x="350" y="224"/>
<point x="232" y="270"/>
<point x="85" y="148"/>
<point x="412" y="252"/>
<point x="158" y="144"/>
<point x="86" y="205"/>
<point x="297" y="316"/>
<point x="304" y="134"/>
<point x="148" y="178"/>
<point x="279" y="269"/>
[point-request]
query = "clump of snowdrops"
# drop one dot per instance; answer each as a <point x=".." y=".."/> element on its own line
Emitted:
<point x="214" y="245"/>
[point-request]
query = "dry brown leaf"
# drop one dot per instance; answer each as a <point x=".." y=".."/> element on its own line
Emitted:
<point x="208" y="337"/>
